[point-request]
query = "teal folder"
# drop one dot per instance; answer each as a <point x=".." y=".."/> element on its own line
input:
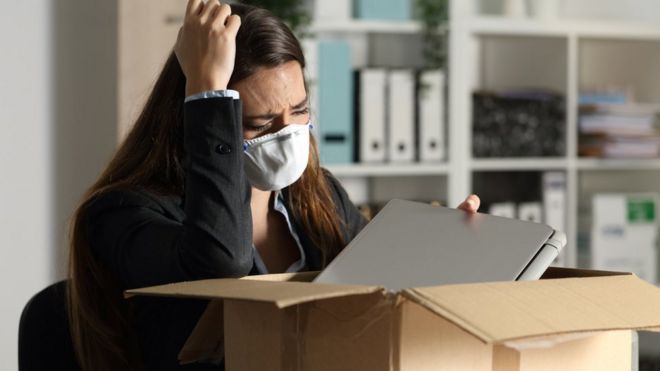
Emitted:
<point x="335" y="87"/>
<point x="393" y="10"/>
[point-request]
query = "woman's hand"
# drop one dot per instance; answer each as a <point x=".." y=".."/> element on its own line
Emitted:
<point x="206" y="45"/>
<point x="471" y="204"/>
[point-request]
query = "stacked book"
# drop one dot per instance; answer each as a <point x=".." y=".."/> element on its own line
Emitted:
<point x="620" y="130"/>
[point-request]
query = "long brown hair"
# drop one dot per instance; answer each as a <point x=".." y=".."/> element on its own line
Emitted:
<point x="150" y="158"/>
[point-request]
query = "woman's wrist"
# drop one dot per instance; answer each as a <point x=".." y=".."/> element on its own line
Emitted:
<point x="198" y="86"/>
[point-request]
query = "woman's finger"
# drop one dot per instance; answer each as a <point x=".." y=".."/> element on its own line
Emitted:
<point x="194" y="6"/>
<point x="221" y="15"/>
<point x="209" y="9"/>
<point x="474" y="202"/>
<point x="224" y="12"/>
<point x="471" y="204"/>
<point x="233" y="24"/>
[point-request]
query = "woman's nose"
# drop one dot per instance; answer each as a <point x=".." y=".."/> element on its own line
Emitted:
<point x="278" y="123"/>
<point x="284" y="119"/>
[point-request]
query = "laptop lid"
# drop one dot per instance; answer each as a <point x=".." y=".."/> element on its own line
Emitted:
<point x="411" y="244"/>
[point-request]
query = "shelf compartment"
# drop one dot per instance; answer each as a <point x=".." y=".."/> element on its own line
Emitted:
<point x="511" y="187"/>
<point x="622" y="64"/>
<point x="619" y="177"/>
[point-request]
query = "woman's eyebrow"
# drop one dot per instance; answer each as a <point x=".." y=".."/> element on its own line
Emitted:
<point x="270" y="115"/>
<point x="302" y="104"/>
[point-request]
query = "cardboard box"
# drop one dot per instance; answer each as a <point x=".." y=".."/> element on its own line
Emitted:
<point x="569" y="320"/>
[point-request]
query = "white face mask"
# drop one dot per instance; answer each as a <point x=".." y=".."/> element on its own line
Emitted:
<point x="275" y="161"/>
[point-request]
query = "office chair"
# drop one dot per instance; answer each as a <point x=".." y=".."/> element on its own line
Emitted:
<point x="44" y="340"/>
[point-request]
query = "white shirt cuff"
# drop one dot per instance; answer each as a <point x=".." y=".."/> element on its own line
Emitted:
<point x="213" y="94"/>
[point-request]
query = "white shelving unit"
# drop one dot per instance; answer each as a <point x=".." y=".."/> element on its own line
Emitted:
<point x="382" y="181"/>
<point x="573" y="47"/>
<point x="582" y="46"/>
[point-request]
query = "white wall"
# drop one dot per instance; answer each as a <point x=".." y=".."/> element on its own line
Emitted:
<point x="57" y="130"/>
<point x="26" y="232"/>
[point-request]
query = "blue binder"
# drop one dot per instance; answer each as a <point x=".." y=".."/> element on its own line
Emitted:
<point x="395" y="10"/>
<point x="335" y="87"/>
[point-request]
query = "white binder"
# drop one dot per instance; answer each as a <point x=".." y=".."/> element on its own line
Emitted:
<point x="503" y="209"/>
<point x="401" y="120"/>
<point x="554" y="204"/>
<point x="554" y="199"/>
<point x="431" y="116"/>
<point x="372" y="115"/>
<point x="332" y="11"/>
<point x="531" y="212"/>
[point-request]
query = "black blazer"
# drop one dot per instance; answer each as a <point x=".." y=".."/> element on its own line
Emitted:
<point x="148" y="239"/>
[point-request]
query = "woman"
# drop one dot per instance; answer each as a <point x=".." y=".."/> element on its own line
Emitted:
<point x="218" y="178"/>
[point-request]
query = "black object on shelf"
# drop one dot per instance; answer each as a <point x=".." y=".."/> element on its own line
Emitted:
<point x="649" y="363"/>
<point x="507" y="186"/>
<point x="523" y="123"/>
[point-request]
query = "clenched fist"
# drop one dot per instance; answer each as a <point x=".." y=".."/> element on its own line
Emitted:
<point x="206" y="45"/>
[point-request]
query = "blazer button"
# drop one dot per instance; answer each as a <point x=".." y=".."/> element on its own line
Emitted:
<point x="223" y="149"/>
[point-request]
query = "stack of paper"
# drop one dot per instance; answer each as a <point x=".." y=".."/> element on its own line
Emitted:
<point x="628" y="130"/>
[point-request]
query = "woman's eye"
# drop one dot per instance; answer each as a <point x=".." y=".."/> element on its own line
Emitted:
<point x="257" y="128"/>
<point x="303" y="111"/>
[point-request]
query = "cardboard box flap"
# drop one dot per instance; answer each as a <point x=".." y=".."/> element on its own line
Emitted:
<point x="503" y="311"/>
<point x="282" y="294"/>
<point x="291" y="277"/>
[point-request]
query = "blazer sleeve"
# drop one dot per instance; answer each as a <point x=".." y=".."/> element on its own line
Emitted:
<point x="133" y="236"/>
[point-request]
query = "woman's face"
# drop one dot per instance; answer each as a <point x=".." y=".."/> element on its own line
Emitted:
<point x="272" y="99"/>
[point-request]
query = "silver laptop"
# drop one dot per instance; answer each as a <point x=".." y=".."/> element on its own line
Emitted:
<point x="410" y="244"/>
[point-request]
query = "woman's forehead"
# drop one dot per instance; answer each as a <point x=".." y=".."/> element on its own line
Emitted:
<point x="272" y="89"/>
